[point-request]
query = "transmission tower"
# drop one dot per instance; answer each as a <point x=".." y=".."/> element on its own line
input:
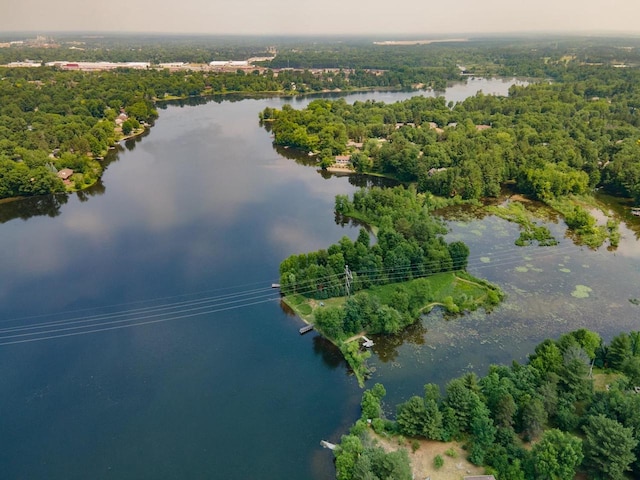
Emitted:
<point x="348" y="277"/>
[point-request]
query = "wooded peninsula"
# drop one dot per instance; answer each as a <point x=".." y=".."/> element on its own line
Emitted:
<point x="574" y="407"/>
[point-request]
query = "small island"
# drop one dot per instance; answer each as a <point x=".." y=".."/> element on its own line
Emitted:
<point x="354" y="289"/>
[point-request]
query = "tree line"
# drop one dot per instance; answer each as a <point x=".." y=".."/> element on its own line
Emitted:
<point x="549" y="418"/>
<point x="52" y="119"/>
<point x="409" y="244"/>
<point x="549" y="139"/>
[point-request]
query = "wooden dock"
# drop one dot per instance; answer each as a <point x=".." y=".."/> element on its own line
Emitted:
<point x="305" y="329"/>
<point x="367" y="343"/>
<point x="328" y="445"/>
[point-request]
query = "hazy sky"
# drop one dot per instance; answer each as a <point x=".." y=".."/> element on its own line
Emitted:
<point x="382" y="18"/>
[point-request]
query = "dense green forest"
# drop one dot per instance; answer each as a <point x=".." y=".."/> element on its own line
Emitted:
<point x="545" y="137"/>
<point x="409" y="245"/>
<point x="550" y="139"/>
<point x="534" y="56"/>
<point x="573" y="407"/>
<point x="51" y="119"/>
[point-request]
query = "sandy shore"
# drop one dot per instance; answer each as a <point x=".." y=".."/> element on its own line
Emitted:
<point x="454" y="468"/>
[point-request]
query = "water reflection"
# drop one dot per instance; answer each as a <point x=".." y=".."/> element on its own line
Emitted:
<point x="621" y="207"/>
<point x="204" y="204"/>
<point x="299" y="156"/>
<point x="387" y="347"/>
<point x="97" y="188"/>
<point x="26" y="208"/>
<point x="329" y="353"/>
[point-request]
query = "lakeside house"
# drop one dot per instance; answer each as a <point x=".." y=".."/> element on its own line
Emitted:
<point x="65" y="175"/>
<point x="434" y="126"/>
<point x="120" y="119"/>
<point x="343" y="160"/>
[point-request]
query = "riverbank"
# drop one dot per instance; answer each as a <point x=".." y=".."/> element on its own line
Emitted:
<point x="72" y="185"/>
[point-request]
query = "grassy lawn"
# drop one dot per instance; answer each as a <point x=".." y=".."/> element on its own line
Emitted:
<point x="602" y="378"/>
<point x="456" y="291"/>
<point x="466" y="291"/>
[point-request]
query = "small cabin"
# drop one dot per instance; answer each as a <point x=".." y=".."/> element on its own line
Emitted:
<point x="343" y="160"/>
<point x="65" y="174"/>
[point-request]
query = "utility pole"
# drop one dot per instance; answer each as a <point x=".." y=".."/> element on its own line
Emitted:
<point x="348" y="277"/>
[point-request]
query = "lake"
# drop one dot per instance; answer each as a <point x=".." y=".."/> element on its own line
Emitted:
<point x="140" y="338"/>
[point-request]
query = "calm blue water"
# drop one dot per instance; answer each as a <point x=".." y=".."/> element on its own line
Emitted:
<point x="198" y="214"/>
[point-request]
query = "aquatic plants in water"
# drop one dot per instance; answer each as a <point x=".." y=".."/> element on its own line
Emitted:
<point x="530" y="231"/>
<point x="581" y="291"/>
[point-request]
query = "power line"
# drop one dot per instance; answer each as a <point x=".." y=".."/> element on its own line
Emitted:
<point x="134" y="311"/>
<point x="81" y="325"/>
<point x="118" y="327"/>
<point x="136" y="302"/>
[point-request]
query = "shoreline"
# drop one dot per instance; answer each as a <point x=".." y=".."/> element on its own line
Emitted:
<point x="208" y="95"/>
<point x="355" y="357"/>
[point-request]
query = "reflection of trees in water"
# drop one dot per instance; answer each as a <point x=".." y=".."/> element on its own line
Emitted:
<point x="97" y="188"/>
<point x="184" y="102"/>
<point x="386" y="347"/>
<point x="202" y="100"/>
<point x="331" y="355"/>
<point x="287" y="309"/>
<point x="622" y="210"/>
<point x="367" y="181"/>
<point x="343" y="220"/>
<point x="299" y="156"/>
<point x="25" y="208"/>
<point x="130" y="143"/>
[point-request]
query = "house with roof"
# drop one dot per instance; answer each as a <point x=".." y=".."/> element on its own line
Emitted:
<point x="120" y="119"/>
<point x="343" y="160"/>
<point x="65" y="175"/>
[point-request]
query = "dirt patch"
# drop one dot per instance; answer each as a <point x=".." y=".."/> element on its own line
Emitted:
<point x="519" y="198"/>
<point x="455" y="467"/>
